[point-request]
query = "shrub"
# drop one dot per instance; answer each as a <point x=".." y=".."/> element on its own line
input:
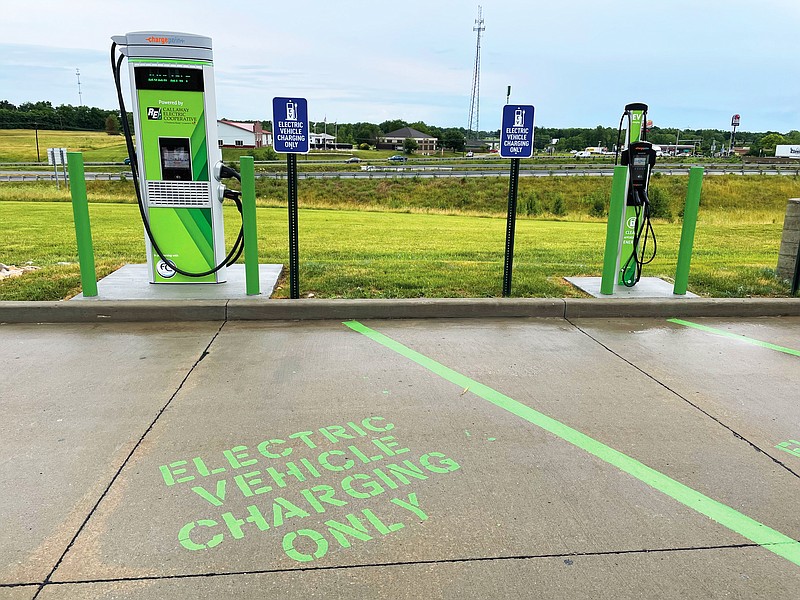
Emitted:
<point x="659" y="204"/>
<point x="559" y="208"/>
<point x="598" y="204"/>
<point x="529" y="205"/>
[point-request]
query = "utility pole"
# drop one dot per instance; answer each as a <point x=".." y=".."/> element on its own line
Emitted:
<point x="36" y="127"/>
<point x="80" y="96"/>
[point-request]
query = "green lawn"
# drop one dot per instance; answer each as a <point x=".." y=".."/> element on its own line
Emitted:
<point x="19" y="145"/>
<point x="360" y="254"/>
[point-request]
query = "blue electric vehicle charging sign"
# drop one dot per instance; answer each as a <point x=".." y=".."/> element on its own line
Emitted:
<point x="516" y="132"/>
<point x="290" y="125"/>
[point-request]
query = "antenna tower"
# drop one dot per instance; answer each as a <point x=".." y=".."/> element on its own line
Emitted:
<point x="475" y="100"/>
<point x="80" y="96"/>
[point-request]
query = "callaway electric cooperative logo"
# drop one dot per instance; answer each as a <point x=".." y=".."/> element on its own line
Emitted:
<point x="163" y="40"/>
<point x="153" y="113"/>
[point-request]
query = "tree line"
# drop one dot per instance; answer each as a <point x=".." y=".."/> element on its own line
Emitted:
<point x="44" y="115"/>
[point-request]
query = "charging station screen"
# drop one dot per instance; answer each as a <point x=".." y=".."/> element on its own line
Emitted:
<point x="639" y="161"/>
<point x="176" y="162"/>
<point x="169" y="78"/>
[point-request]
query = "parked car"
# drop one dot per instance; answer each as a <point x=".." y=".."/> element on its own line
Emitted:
<point x="470" y="154"/>
<point x="353" y="159"/>
<point x="397" y="158"/>
<point x="127" y="161"/>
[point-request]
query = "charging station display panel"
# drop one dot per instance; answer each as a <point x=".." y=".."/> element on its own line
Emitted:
<point x="172" y="122"/>
<point x="176" y="163"/>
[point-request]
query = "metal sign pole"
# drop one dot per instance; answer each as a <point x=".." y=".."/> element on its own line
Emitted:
<point x="55" y="170"/>
<point x="290" y="128"/>
<point x="63" y="154"/>
<point x="511" y="220"/>
<point x="516" y="142"/>
<point x="291" y="172"/>
<point x="796" y="278"/>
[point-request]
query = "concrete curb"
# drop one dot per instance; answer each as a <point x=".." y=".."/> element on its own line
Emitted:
<point x="577" y="308"/>
<point x="418" y="308"/>
<point x="99" y="311"/>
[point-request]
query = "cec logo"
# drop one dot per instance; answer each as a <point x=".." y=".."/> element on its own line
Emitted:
<point x="632" y="222"/>
<point x="153" y="113"/>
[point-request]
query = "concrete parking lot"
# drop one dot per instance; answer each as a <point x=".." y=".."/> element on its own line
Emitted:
<point x="472" y="458"/>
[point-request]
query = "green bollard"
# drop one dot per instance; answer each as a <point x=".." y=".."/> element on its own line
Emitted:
<point x="246" y="165"/>
<point x="83" y="230"/>
<point x="615" y="214"/>
<point x="687" y="231"/>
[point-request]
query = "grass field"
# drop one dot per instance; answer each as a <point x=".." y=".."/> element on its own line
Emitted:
<point x="725" y="199"/>
<point x="423" y="237"/>
<point x="19" y="145"/>
<point x="362" y="254"/>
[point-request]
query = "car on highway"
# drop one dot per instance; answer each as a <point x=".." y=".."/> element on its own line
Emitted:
<point x="397" y="158"/>
<point x="127" y="161"/>
<point x="353" y="159"/>
<point x="470" y="154"/>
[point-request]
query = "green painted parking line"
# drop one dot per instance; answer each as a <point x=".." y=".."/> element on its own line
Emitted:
<point x="770" y="539"/>
<point x="735" y="336"/>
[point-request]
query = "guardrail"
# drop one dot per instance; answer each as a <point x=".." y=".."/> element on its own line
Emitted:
<point x="433" y="172"/>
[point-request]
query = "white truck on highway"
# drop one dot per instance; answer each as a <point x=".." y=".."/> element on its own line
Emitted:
<point x="787" y="151"/>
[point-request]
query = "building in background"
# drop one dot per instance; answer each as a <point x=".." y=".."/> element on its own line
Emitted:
<point x="394" y="140"/>
<point x="233" y="134"/>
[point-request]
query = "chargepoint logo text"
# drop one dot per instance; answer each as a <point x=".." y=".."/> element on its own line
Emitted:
<point x="163" y="40"/>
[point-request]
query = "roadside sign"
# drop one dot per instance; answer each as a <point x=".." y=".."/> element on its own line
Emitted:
<point x="735" y="119"/>
<point x="516" y="132"/>
<point x="56" y="156"/>
<point x="290" y="125"/>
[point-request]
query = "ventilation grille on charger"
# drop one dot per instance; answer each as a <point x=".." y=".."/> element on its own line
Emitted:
<point x="178" y="193"/>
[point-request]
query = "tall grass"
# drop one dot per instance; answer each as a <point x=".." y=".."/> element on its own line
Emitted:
<point x="724" y="199"/>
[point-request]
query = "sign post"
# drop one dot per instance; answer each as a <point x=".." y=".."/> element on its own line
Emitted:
<point x="55" y="157"/>
<point x="735" y="120"/>
<point x="516" y="142"/>
<point x="290" y="135"/>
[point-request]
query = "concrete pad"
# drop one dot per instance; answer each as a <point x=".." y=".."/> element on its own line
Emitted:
<point x="132" y="282"/>
<point x="647" y="287"/>
<point x="498" y="487"/>
<point x="715" y="573"/>
<point x="753" y="390"/>
<point x="18" y="593"/>
<point x="548" y="366"/>
<point x="75" y="401"/>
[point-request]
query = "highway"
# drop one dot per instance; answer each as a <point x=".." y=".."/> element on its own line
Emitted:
<point x="445" y="171"/>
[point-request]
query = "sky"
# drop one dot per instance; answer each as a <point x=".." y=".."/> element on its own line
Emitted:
<point x="695" y="63"/>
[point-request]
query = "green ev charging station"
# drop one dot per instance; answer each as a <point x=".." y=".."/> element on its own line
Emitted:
<point x="176" y="164"/>
<point x="635" y="227"/>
